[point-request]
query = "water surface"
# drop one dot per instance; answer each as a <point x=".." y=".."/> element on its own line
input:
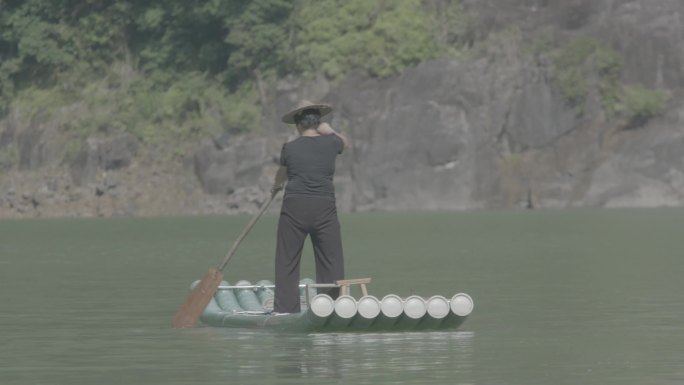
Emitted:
<point x="561" y="297"/>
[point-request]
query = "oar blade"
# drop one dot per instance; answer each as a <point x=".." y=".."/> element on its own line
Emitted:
<point x="191" y="310"/>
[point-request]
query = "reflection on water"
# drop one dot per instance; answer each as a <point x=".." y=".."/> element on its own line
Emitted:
<point x="430" y="357"/>
<point x="427" y="357"/>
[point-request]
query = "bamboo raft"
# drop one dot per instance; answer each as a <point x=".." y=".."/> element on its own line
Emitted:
<point x="247" y="305"/>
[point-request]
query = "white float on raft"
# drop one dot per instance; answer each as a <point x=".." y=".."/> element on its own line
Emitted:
<point x="251" y="306"/>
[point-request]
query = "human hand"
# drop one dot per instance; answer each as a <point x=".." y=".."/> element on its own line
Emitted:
<point x="325" y="129"/>
<point x="276" y="188"/>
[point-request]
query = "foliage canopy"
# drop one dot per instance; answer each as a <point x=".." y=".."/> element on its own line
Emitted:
<point x="180" y="69"/>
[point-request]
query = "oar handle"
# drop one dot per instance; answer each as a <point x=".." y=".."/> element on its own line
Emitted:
<point x="247" y="228"/>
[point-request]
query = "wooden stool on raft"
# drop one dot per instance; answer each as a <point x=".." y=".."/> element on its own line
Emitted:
<point x="345" y="285"/>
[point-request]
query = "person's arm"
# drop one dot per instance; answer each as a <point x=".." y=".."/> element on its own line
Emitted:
<point x="325" y="129"/>
<point x="280" y="179"/>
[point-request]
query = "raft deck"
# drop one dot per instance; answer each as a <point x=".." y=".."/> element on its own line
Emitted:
<point x="245" y="305"/>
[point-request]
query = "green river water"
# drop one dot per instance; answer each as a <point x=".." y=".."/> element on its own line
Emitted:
<point x="561" y="297"/>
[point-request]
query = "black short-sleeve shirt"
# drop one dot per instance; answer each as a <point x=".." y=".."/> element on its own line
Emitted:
<point x="310" y="162"/>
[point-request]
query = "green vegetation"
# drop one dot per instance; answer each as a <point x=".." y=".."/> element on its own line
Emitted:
<point x="176" y="70"/>
<point x="583" y="56"/>
<point x="642" y="104"/>
<point x="609" y="65"/>
<point x="381" y="37"/>
<point x="577" y="60"/>
<point x="570" y="71"/>
<point x="541" y="44"/>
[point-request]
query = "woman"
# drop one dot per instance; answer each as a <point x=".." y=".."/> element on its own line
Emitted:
<point x="308" y="205"/>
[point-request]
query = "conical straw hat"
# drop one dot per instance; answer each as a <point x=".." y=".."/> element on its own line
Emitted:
<point x="324" y="109"/>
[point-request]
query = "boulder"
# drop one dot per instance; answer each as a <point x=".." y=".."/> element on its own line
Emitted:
<point x="239" y="163"/>
<point x="99" y="154"/>
<point x="117" y="152"/>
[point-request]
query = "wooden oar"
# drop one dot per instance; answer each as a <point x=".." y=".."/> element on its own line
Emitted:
<point x="191" y="310"/>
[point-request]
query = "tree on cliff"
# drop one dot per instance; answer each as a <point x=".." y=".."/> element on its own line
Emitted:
<point x="49" y="42"/>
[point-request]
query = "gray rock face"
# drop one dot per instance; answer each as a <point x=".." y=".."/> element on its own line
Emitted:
<point x="238" y="163"/>
<point x="435" y="137"/>
<point x="647" y="170"/>
<point x="651" y="34"/>
<point x="103" y="154"/>
<point x="31" y="144"/>
<point x="497" y="132"/>
<point x="416" y="139"/>
<point x="118" y="152"/>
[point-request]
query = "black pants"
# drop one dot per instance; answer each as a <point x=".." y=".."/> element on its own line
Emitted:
<point x="299" y="217"/>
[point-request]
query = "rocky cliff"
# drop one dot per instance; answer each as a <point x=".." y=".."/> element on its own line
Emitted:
<point x="573" y="103"/>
